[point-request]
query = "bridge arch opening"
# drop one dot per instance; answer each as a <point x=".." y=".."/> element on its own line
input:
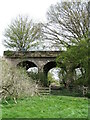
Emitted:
<point x="31" y="68"/>
<point x="51" y="72"/>
<point x="49" y="66"/>
<point x="26" y="64"/>
<point x="53" y="76"/>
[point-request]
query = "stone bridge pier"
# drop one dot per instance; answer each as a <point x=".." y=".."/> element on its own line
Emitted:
<point x="43" y="60"/>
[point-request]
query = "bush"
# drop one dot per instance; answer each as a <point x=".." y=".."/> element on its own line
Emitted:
<point x="87" y="95"/>
<point x="15" y="81"/>
<point x="34" y="76"/>
<point x="40" y="77"/>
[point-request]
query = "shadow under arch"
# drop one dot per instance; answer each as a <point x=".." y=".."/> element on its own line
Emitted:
<point x="48" y="66"/>
<point x="26" y="64"/>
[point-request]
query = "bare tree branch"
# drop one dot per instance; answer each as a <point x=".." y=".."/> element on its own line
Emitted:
<point x="67" y="21"/>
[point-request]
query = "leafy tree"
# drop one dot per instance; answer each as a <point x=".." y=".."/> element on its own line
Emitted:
<point x="67" y="23"/>
<point x="21" y="34"/>
<point x="76" y="57"/>
<point x="67" y="27"/>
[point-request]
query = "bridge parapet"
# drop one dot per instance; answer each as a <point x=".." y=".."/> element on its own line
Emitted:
<point x="31" y="54"/>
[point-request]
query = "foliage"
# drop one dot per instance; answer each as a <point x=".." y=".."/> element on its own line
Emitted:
<point x="76" y="57"/>
<point x="47" y="107"/>
<point x="39" y="77"/>
<point x="67" y="27"/>
<point x="87" y="94"/>
<point x="43" y="79"/>
<point x="15" y="81"/>
<point x="21" y="34"/>
<point x="67" y="23"/>
<point x="52" y="79"/>
<point x="34" y="75"/>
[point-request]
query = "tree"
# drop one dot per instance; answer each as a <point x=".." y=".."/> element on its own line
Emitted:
<point x="76" y="57"/>
<point x="67" y="23"/>
<point x="21" y="34"/>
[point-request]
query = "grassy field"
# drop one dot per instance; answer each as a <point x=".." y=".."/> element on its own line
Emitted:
<point x="47" y="107"/>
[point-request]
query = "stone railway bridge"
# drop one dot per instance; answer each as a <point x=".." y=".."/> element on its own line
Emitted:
<point x="43" y="60"/>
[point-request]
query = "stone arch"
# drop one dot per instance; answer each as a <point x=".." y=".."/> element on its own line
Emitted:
<point x="48" y="66"/>
<point x="26" y="64"/>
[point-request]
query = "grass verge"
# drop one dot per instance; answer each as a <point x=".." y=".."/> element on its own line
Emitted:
<point x="47" y="107"/>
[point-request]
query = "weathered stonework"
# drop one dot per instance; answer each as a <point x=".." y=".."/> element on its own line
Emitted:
<point x="31" y="54"/>
<point x="43" y="60"/>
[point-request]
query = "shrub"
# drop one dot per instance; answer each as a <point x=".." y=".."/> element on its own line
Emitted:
<point x="40" y="77"/>
<point x="87" y="95"/>
<point x="14" y="81"/>
<point x="34" y="76"/>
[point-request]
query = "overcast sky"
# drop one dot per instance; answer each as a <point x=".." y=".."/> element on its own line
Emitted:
<point x="10" y="9"/>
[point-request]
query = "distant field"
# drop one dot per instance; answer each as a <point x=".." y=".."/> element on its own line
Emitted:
<point x="47" y="107"/>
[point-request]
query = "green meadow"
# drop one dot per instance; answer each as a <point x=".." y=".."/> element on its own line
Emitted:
<point x="52" y="106"/>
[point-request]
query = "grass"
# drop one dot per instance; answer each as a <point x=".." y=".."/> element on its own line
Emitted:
<point x="47" y="107"/>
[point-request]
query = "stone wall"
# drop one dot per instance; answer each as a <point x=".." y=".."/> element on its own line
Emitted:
<point x="41" y="59"/>
<point x="31" y="54"/>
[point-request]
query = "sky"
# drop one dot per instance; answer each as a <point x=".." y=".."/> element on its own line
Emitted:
<point x="10" y="9"/>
